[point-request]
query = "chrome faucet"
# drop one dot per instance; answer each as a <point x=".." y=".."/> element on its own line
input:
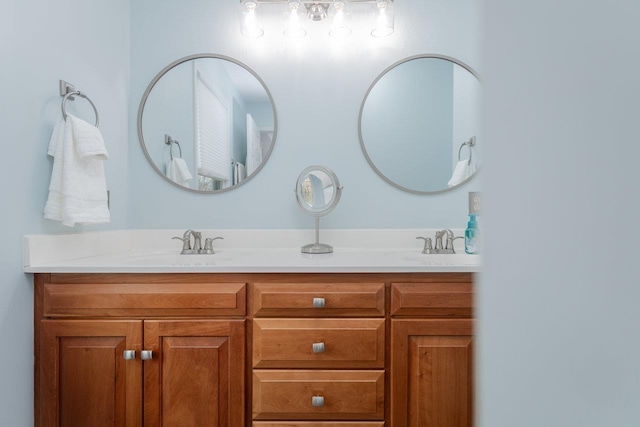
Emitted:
<point x="197" y="243"/>
<point x="447" y="248"/>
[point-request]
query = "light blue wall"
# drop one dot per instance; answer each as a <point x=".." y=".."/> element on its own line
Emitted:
<point x="318" y="86"/>
<point x="87" y="44"/>
<point x="558" y="305"/>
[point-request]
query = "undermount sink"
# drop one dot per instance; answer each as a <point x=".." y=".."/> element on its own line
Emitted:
<point x="437" y="259"/>
<point x="175" y="258"/>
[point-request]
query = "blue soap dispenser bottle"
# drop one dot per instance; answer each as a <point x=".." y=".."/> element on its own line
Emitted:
<point x="472" y="236"/>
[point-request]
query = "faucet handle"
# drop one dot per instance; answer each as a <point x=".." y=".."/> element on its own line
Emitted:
<point x="208" y="245"/>
<point x="186" y="244"/>
<point x="427" y="245"/>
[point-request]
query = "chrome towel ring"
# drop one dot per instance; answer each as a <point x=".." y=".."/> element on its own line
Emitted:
<point x="170" y="141"/>
<point x="470" y="143"/>
<point x="82" y="95"/>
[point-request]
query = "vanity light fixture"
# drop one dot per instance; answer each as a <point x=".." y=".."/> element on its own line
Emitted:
<point x="249" y="23"/>
<point x="294" y="28"/>
<point x="384" y="21"/>
<point x="378" y="12"/>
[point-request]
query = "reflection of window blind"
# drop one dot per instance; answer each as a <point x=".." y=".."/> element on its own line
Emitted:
<point x="212" y="133"/>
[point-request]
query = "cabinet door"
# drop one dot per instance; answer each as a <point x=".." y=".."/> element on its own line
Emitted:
<point x="85" y="380"/>
<point x="196" y="374"/>
<point x="431" y="373"/>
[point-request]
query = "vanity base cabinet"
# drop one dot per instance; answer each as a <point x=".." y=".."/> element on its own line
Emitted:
<point x="254" y="350"/>
<point x="431" y="360"/>
<point x="155" y="369"/>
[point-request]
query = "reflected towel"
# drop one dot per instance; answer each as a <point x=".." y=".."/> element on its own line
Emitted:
<point x="178" y="171"/>
<point x="78" y="189"/>
<point x="463" y="171"/>
<point x="239" y="173"/>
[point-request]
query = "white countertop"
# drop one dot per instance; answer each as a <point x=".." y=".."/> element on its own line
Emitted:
<point x="242" y="251"/>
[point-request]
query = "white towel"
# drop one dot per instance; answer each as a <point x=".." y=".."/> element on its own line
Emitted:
<point x="239" y="173"/>
<point x="178" y="171"/>
<point x="78" y="189"/>
<point x="462" y="171"/>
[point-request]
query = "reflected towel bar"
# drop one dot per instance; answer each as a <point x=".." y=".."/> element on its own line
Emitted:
<point x="470" y="143"/>
<point x="170" y="141"/>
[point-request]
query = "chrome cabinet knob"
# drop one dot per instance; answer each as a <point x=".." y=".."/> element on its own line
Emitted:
<point x="146" y="355"/>
<point x="318" y="302"/>
<point x="318" y="347"/>
<point x="129" y="354"/>
<point x="317" y="401"/>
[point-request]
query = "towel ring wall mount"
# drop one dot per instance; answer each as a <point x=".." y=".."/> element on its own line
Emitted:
<point x="470" y="143"/>
<point x="67" y="91"/>
<point x="170" y="142"/>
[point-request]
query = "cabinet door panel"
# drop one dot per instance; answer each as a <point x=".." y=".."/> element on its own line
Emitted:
<point x="84" y="377"/>
<point x="196" y="375"/>
<point x="432" y="373"/>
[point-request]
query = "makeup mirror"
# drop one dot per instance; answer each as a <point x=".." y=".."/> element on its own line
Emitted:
<point x="317" y="192"/>
<point x="207" y="123"/>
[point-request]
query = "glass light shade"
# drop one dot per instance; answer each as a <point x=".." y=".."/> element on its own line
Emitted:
<point x="340" y="20"/>
<point x="250" y="24"/>
<point x="295" y="27"/>
<point x="384" y="20"/>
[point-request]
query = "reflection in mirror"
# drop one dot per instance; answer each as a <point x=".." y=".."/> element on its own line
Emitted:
<point x="318" y="192"/>
<point x="420" y="124"/>
<point x="207" y="123"/>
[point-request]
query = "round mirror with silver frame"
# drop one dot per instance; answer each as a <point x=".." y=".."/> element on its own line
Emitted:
<point x="318" y="192"/>
<point x="419" y="124"/>
<point x="207" y="123"/>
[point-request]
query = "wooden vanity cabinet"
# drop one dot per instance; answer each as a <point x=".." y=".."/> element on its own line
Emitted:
<point x="192" y="335"/>
<point x="318" y="352"/>
<point x="254" y="350"/>
<point x="431" y="359"/>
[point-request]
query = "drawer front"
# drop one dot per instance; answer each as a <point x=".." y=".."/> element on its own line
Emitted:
<point x="318" y="343"/>
<point x="454" y="299"/>
<point x="318" y="299"/>
<point x="144" y="299"/>
<point x="318" y="395"/>
<point x="317" y="424"/>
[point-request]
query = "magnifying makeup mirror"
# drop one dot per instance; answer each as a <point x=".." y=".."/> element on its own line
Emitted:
<point x="318" y="192"/>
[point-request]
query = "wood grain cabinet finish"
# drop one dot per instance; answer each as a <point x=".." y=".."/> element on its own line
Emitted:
<point x="345" y="395"/>
<point x="431" y="359"/>
<point x="241" y="350"/>
<point x="339" y="299"/>
<point x="318" y="343"/>
<point x="97" y="367"/>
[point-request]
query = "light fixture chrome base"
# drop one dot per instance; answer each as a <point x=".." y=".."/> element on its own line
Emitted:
<point x="317" y="248"/>
<point x="317" y="11"/>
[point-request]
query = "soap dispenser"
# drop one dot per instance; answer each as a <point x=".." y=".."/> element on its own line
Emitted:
<point x="472" y="236"/>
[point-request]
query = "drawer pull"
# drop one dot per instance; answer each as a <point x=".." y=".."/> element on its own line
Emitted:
<point x="129" y="354"/>
<point x="146" y="355"/>
<point x="317" y="401"/>
<point x="318" y="347"/>
<point x="318" y="302"/>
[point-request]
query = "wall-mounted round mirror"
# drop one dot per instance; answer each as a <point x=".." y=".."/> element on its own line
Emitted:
<point x="207" y="123"/>
<point x="317" y="192"/>
<point x="419" y="124"/>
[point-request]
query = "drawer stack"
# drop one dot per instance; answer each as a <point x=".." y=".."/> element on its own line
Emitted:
<point x="318" y="354"/>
